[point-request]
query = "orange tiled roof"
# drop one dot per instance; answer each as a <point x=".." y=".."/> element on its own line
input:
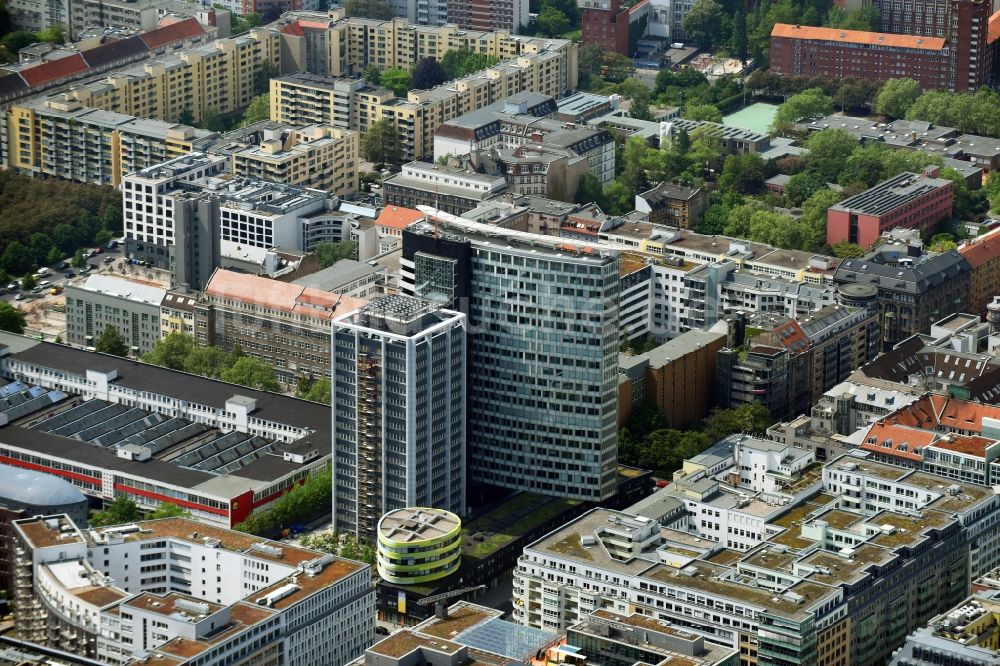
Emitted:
<point x="293" y="29"/>
<point x="282" y="296"/>
<point x="897" y="441"/>
<point x="979" y="252"/>
<point x="858" y="37"/>
<point x="993" y="28"/>
<point x="54" y="70"/>
<point x="172" y="33"/>
<point x="397" y="217"/>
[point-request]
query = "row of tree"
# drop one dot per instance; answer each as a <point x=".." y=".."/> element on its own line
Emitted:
<point x="179" y="352"/>
<point x="124" y="510"/>
<point x="741" y="207"/>
<point x="726" y="27"/>
<point x="305" y="502"/>
<point x="341" y="545"/>
<point x="647" y="440"/>
<point x="42" y="221"/>
<point x="973" y="113"/>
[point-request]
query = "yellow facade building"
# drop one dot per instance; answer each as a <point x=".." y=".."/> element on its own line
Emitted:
<point x="316" y="156"/>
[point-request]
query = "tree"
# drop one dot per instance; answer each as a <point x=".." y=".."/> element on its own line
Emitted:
<point x="373" y="9"/>
<point x="168" y="510"/>
<point x="813" y="218"/>
<point x="864" y="165"/>
<point x="896" y="97"/>
<point x="266" y="70"/>
<point x="40" y="245"/>
<point x="248" y="371"/>
<point x="462" y="62"/>
<point x="11" y="319"/>
<point x="302" y="503"/>
<point x="589" y="190"/>
<point x="801" y="186"/>
<point x="258" y="110"/>
<point x="186" y="117"/>
<point x="427" y="74"/>
<point x="207" y="361"/>
<point x="552" y="22"/>
<point x="15" y="41"/>
<point x="79" y="259"/>
<point x="381" y="143"/>
<point x="750" y="418"/>
<point x="811" y="103"/>
<point x="702" y="22"/>
<point x="828" y="152"/>
<point x="743" y="173"/>
<point x="847" y="250"/>
<point x="65" y="238"/>
<point x="640" y="108"/>
<point x="568" y="7"/>
<point x="703" y="112"/>
<point x="620" y="198"/>
<point x="318" y="391"/>
<point x="122" y="510"/>
<point x="212" y="121"/>
<point x="329" y="252"/>
<point x="942" y="242"/>
<point x="245" y="23"/>
<point x="682" y="144"/>
<point x="618" y="67"/>
<point x="16" y="259"/>
<point x="590" y="61"/>
<point x="112" y="342"/>
<point x="373" y="74"/>
<point x="397" y="80"/>
<point x="740" y="33"/>
<point x="28" y="282"/>
<point x="964" y="202"/>
<point x="862" y="18"/>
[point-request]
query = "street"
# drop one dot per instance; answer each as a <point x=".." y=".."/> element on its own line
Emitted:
<point x="46" y="312"/>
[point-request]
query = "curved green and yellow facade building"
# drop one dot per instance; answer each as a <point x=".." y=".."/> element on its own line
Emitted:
<point x="417" y="545"/>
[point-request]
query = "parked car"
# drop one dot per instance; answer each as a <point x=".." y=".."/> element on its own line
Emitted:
<point x="14" y="285"/>
<point x="64" y="266"/>
<point x="99" y="250"/>
<point x="69" y="275"/>
<point x="109" y="260"/>
<point x="381" y="631"/>
<point x="19" y="297"/>
<point x="112" y="245"/>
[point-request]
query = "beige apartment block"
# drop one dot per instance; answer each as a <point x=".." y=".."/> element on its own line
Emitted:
<point x="316" y="156"/>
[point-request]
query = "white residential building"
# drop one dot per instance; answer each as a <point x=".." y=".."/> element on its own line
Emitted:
<point x="185" y="593"/>
<point x="148" y="203"/>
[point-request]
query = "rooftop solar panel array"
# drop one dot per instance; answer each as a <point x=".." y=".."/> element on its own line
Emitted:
<point x="114" y="425"/>
<point x="227" y="453"/>
<point x="18" y="399"/>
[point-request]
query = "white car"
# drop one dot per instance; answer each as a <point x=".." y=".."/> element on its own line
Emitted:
<point x="14" y="285"/>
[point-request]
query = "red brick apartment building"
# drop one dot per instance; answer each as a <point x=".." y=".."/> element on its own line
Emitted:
<point x="908" y="200"/>
<point x="606" y="23"/>
<point x="810" y="51"/>
<point x="961" y="60"/>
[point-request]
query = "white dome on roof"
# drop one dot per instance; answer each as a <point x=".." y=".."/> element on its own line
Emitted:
<point x="36" y="488"/>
